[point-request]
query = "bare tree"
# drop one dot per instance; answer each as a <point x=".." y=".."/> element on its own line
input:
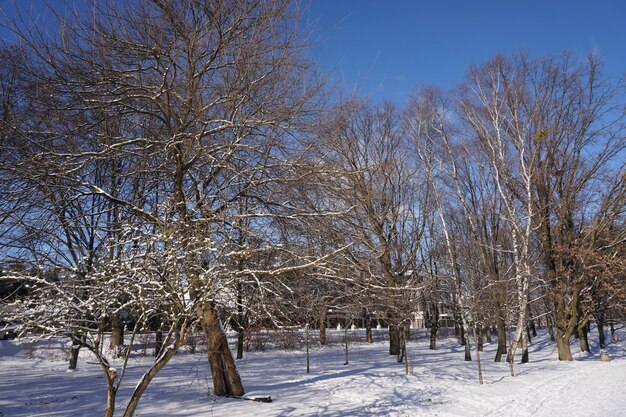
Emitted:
<point x="207" y="100"/>
<point x="565" y="128"/>
<point x="370" y="172"/>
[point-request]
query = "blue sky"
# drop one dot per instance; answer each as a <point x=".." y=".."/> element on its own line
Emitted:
<point x="389" y="48"/>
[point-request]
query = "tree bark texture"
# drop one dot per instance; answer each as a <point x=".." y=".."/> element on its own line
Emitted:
<point x="226" y="380"/>
<point x="117" y="334"/>
<point x="395" y="339"/>
<point x="110" y="375"/>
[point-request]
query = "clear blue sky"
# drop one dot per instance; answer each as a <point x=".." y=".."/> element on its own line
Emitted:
<point x="389" y="48"/>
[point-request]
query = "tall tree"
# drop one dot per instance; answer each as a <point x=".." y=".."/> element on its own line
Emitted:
<point x="209" y="97"/>
<point x="371" y="172"/>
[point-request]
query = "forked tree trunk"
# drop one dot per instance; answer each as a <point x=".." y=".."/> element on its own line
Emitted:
<point x="565" y="320"/>
<point x="564" y="324"/>
<point x="226" y="380"/>
<point x="162" y="360"/>
<point x="562" y="345"/>
<point x="519" y="340"/>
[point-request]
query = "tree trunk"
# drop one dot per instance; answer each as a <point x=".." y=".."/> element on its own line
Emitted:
<point x="601" y="335"/>
<point x="405" y="354"/>
<point x="461" y="335"/>
<point x="308" y="356"/>
<point x="480" y="368"/>
<point x="395" y="345"/>
<point x="488" y="331"/>
<point x="323" y="315"/>
<point x="434" y="326"/>
<point x="565" y="320"/>
<point x="240" y="318"/>
<point x="74" y="355"/>
<point x="550" y="328"/>
<point x="524" y="346"/>
<point x="468" y="352"/>
<point x="226" y="380"/>
<point x="345" y="341"/>
<point x="158" y="343"/>
<point x="582" y="337"/>
<point x="531" y="323"/>
<point x="501" y="326"/>
<point x="612" y="327"/>
<point x="145" y="380"/>
<point x="478" y="336"/>
<point x="520" y="334"/>
<point x="563" y="346"/>
<point x="110" y="375"/>
<point x="117" y="335"/>
<point x="404" y="336"/>
<point x="240" y="340"/>
<point x="368" y="327"/>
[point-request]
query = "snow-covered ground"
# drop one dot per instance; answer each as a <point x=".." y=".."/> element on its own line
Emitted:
<point x="440" y="383"/>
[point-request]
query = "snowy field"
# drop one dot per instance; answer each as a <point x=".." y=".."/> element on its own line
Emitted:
<point x="34" y="382"/>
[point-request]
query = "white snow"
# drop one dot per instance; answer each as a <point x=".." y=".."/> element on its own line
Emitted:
<point x="441" y="383"/>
